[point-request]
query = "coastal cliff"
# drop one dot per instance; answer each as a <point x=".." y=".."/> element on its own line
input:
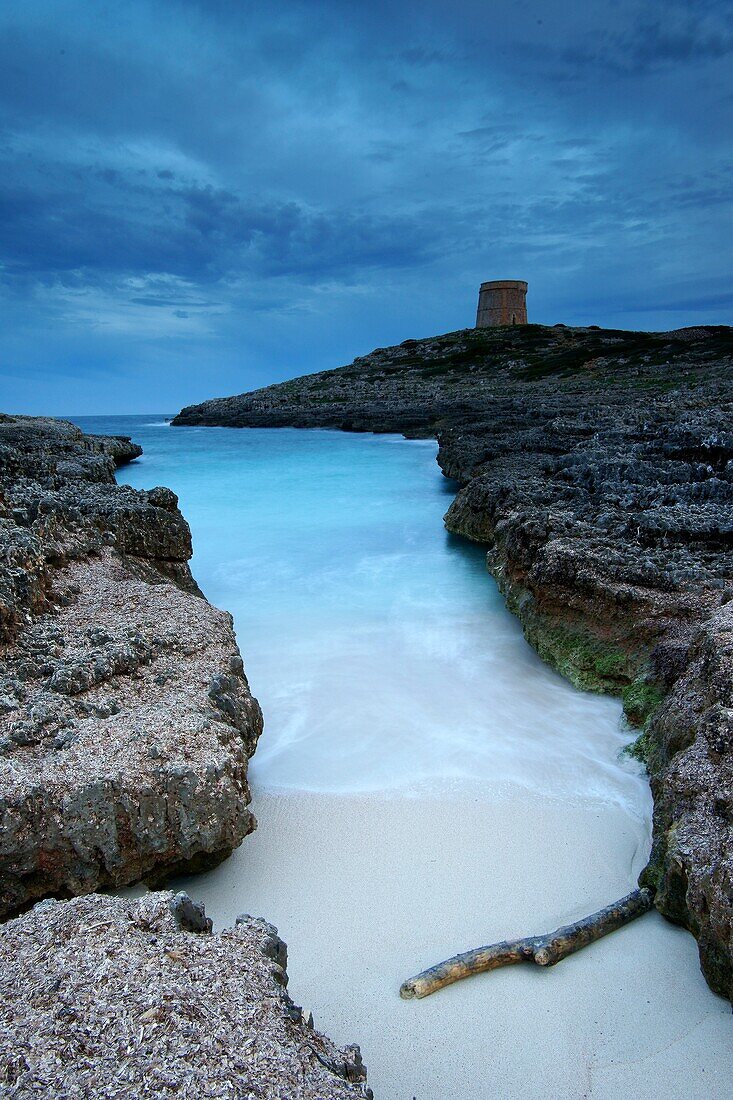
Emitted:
<point x="126" y="721"/>
<point x="597" y="468"/>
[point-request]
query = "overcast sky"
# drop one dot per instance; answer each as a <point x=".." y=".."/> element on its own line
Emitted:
<point x="198" y="198"/>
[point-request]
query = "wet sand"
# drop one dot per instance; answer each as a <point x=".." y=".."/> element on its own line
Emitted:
<point x="369" y="889"/>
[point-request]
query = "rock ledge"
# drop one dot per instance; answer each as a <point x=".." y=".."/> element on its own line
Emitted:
<point x="104" y="997"/>
<point x="126" y="721"/>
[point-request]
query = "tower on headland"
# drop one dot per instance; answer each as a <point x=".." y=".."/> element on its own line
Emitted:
<point x="502" y="302"/>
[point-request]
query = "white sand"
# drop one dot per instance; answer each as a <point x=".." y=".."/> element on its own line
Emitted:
<point x="369" y="889"/>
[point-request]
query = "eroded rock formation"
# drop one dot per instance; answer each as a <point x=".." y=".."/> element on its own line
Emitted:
<point x="597" y="468"/>
<point x="126" y="722"/>
<point x="102" y="996"/>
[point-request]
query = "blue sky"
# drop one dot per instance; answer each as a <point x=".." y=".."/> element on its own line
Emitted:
<point x="198" y="198"/>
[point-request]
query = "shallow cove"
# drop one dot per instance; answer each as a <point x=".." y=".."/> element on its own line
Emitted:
<point x="424" y="783"/>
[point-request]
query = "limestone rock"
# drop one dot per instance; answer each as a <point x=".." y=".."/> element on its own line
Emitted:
<point x="105" y="997"/>
<point x="116" y="763"/>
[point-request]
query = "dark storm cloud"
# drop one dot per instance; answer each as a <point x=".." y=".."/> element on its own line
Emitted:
<point x="238" y="183"/>
<point x="654" y="45"/>
<point x="202" y="234"/>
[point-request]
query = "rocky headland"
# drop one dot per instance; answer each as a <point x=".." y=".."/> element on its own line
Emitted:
<point x="597" y="468"/>
<point x="126" y="727"/>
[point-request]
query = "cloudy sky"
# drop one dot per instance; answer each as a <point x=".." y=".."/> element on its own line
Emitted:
<point x="200" y="196"/>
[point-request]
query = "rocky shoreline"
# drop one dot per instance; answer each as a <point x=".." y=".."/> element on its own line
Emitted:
<point x="126" y="727"/>
<point x="101" y="996"/>
<point x="597" y="468"/>
<point x="126" y="720"/>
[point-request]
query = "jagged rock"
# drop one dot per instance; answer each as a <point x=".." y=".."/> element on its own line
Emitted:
<point x="105" y="997"/>
<point x="190" y="916"/>
<point x="116" y="764"/>
<point x="597" y="468"/>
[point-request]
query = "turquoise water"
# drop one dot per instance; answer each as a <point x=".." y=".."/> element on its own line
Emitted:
<point x="377" y="644"/>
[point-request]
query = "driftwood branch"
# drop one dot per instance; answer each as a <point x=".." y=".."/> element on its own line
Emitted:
<point x="543" y="950"/>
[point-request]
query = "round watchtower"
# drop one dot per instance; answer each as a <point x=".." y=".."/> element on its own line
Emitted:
<point x="502" y="302"/>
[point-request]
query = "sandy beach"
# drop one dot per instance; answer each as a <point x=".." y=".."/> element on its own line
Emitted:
<point x="368" y="890"/>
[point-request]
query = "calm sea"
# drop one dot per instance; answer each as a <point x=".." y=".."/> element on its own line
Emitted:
<point x="377" y="644"/>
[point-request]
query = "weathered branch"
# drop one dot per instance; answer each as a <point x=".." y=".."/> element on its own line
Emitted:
<point x="544" y="950"/>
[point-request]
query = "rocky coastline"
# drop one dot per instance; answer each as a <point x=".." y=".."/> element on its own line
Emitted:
<point x="596" y="466"/>
<point x="126" y="727"/>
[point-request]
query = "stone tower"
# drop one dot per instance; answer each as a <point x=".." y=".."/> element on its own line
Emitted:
<point x="502" y="302"/>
